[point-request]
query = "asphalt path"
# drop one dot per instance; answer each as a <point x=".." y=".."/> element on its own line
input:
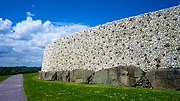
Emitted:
<point x="12" y="89"/>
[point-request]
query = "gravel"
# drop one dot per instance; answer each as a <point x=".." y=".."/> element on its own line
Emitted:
<point x="12" y="89"/>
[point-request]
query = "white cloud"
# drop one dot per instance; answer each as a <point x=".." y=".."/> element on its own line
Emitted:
<point x="30" y="14"/>
<point x="5" y="26"/>
<point x="28" y="39"/>
<point x="25" y="29"/>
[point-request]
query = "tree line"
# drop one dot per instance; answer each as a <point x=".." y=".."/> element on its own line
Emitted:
<point x="18" y="70"/>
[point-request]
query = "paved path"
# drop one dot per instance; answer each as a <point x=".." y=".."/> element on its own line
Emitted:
<point x="12" y="89"/>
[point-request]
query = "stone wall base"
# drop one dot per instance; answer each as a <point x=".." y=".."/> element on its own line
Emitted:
<point x="119" y="76"/>
<point x="164" y="78"/>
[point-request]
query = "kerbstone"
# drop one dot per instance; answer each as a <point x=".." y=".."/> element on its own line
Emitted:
<point x="63" y="76"/>
<point x="164" y="78"/>
<point x="118" y="76"/>
<point x="81" y="76"/>
<point x="51" y="75"/>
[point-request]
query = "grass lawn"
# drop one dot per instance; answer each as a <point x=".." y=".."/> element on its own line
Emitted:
<point x="40" y="90"/>
<point x="4" y="77"/>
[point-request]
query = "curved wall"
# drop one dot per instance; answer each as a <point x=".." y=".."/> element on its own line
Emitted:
<point x="148" y="41"/>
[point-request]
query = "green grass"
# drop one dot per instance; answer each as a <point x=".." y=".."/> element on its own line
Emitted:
<point x="40" y="90"/>
<point x="4" y="77"/>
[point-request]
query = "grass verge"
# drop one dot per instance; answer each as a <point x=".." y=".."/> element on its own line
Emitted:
<point x="4" y="77"/>
<point x="40" y="90"/>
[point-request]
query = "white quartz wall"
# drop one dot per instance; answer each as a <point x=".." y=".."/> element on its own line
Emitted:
<point x="148" y="41"/>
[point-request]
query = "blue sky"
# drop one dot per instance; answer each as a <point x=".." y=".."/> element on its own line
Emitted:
<point x="27" y="26"/>
<point x="89" y="12"/>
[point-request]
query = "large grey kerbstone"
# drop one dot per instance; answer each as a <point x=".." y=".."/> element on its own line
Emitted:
<point x="103" y="77"/>
<point x="41" y="75"/>
<point x="63" y="76"/>
<point x="164" y="78"/>
<point x="80" y="75"/>
<point x="50" y="75"/>
<point x="118" y="76"/>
